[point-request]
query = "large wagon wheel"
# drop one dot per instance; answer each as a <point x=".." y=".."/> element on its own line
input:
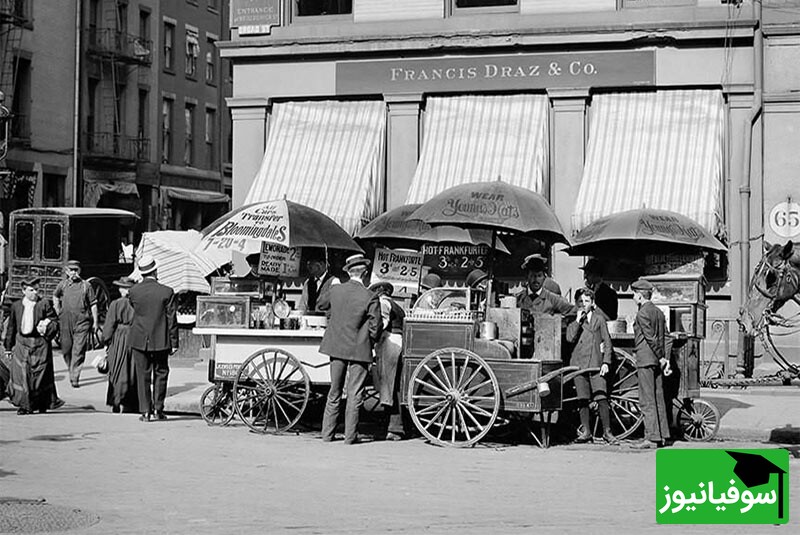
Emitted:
<point x="216" y="405"/>
<point x="623" y="399"/>
<point x="698" y="420"/>
<point x="453" y="397"/>
<point x="271" y="390"/>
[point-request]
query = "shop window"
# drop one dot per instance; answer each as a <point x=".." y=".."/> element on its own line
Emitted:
<point x="169" y="46"/>
<point x="51" y="241"/>
<point x="23" y="245"/>
<point x="192" y="51"/>
<point x="188" y="136"/>
<point x="166" y="130"/>
<point x="312" y="8"/>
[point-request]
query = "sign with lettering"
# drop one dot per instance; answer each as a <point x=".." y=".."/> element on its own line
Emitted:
<point x="261" y="222"/>
<point x="278" y="261"/>
<point x="455" y="261"/>
<point x="401" y="268"/>
<point x="519" y="71"/>
<point x="254" y="17"/>
<point x="674" y="264"/>
<point x="784" y="219"/>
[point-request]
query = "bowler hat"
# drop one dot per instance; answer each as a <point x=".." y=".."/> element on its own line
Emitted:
<point x="431" y="280"/>
<point x="475" y="277"/>
<point x="382" y="285"/>
<point x="147" y="264"/>
<point x="73" y="264"/>
<point x="642" y="284"/>
<point x="534" y="262"/>
<point x="355" y="261"/>
<point x="593" y="265"/>
<point x="32" y="281"/>
<point x="124" y="282"/>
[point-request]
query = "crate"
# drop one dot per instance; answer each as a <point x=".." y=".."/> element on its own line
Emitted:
<point x="423" y="337"/>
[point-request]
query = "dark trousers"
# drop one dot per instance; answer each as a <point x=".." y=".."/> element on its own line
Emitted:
<point x="356" y="375"/>
<point x="652" y="403"/>
<point x="152" y="368"/>
<point x="75" y="340"/>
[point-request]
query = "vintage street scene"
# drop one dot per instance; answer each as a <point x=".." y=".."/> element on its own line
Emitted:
<point x="434" y="266"/>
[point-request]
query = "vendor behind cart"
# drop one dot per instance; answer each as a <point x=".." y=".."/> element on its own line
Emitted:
<point x="535" y="297"/>
<point x="318" y="284"/>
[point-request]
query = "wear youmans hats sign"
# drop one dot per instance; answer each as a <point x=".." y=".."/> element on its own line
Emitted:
<point x="355" y="260"/>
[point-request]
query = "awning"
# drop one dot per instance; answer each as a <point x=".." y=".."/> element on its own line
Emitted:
<point x="327" y="155"/>
<point x="195" y="195"/>
<point x="94" y="189"/>
<point x="480" y="138"/>
<point x="661" y="150"/>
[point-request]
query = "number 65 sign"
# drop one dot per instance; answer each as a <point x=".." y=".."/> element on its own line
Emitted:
<point x="784" y="219"/>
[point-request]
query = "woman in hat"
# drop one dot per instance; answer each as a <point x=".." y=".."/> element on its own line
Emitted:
<point x="121" y="394"/>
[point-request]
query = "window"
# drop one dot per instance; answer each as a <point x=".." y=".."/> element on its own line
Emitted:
<point x="211" y="117"/>
<point x="51" y="240"/>
<point x="144" y="25"/>
<point x="211" y="62"/>
<point x="192" y="51"/>
<point x="213" y="5"/>
<point x="142" y="123"/>
<point x="166" y="130"/>
<point x="21" y="102"/>
<point x="122" y="17"/>
<point x="23" y="245"/>
<point x="94" y="17"/>
<point x="91" y="114"/>
<point x="169" y="46"/>
<point x="485" y="3"/>
<point x="323" y="7"/>
<point x="188" y="136"/>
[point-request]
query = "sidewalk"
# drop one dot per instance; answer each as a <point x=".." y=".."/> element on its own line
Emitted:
<point x="755" y="413"/>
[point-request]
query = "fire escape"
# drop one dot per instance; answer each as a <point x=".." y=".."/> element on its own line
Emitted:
<point x="114" y="58"/>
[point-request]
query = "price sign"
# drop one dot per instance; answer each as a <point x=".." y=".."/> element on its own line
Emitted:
<point x="456" y="260"/>
<point x="784" y="219"/>
<point x="279" y="261"/>
<point x="401" y="268"/>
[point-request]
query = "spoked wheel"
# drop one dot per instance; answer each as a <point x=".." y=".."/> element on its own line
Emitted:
<point x="623" y="399"/>
<point x="453" y="397"/>
<point x="698" y="420"/>
<point x="271" y="391"/>
<point x="216" y="405"/>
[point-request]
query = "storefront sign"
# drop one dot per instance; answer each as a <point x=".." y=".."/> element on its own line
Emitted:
<point x="279" y="261"/>
<point x="254" y="17"/>
<point x="784" y="219"/>
<point x="401" y="268"/>
<point x="674" y="264"/>
<point x="455" y="261"/>
<point x="520" y="71"/>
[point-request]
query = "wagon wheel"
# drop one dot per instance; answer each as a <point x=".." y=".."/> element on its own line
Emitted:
<point x="271" y="390"/>
<point x="698" y="420"/>
<point x="623" y="399"/>
<point x="453" y="397"/>
<point x="216" y="405"/>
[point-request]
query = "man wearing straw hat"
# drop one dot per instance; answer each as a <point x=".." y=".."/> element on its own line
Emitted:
<point x="153" y="337"/>
<point x="353" y="329"/>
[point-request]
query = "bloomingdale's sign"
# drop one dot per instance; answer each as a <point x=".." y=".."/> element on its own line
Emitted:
<point x="519" y="71"/>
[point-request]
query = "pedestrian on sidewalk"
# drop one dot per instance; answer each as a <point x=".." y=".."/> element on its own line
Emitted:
<point x="121" y="395"/>
<point x="32" y="325"/>
<point x="76" y="304"/>
<point x="353" y="329"/>
<point x="153" y="337"/>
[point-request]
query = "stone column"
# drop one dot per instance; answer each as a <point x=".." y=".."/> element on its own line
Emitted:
<point x="402" y="145"/>
<point x="250" y="129"/>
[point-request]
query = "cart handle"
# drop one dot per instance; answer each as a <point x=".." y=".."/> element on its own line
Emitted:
<point x="530" y="385"/>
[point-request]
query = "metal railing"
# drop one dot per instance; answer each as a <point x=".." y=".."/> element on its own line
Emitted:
<point x="126" y="47"/>
<point x="111" y="145"/>
<point x="716" y="360"/>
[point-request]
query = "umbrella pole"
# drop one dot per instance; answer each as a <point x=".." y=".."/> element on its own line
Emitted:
<point x="490" y="282"/>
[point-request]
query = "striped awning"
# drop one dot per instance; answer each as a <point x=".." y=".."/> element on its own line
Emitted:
<point x="326" y="155"/>
<point x="480" y="138"/>
<point x="661" y="150"/>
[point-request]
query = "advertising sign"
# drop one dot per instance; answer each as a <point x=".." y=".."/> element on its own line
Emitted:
<point x="254" y="17"/>
<point x="279" y="261"/>
<point x="401" y="268"/>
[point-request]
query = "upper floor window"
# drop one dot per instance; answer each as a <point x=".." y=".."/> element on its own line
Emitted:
<point x="213" y="5"/>
<point x="323" y="7"/>
<point x="188" y="136"/>
<point x="166" y="130"/>
<point x="192" y="51"/>
<point x="211" y="61"/>
<point x="169" y="46"/>
<point x="210" y="133"/>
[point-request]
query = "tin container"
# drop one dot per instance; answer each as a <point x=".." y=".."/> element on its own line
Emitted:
<point x="488" y="330"/>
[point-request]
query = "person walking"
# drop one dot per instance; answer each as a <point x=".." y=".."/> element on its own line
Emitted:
<point x="32" y="325"/>
<point x="651" y="363"/>
<point x="121" y="394"/>
<point x="75" y="303"/>
<point x="353" y="328"/>
<point x="153" y="337"/>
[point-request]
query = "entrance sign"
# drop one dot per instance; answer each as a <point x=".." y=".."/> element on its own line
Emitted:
<point x="784" y="219"/>
<point x="279" y="261"/>
<point x="401" y="268"/>
<point x="487" y="73"/>
<point x="254" y="17"/>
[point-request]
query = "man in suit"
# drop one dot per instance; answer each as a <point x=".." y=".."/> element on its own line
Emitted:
<point x="317" y="286"/>
<point x="536" y="298"/>
<point x="605" y="297"/>
<point x="651" y="362"/>
<point x="153" y="337"/>
<point x="353" y="328"/>
<point x="549" y="283"/>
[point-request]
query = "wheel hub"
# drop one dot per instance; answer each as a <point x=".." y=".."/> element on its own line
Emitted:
<point x="269" y="389"/>
<point x="453" y="396"/>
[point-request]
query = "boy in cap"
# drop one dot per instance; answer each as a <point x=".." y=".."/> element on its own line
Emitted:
<point x="649" y="328"/>
<point x="605" y="297"/>
<point x="75" y="302"/>
<point x="353" y="328"/>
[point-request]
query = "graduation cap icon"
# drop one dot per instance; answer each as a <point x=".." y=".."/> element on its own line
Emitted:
<point x="754" y="470"/>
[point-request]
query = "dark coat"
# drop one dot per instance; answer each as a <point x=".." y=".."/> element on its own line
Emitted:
<point x="43" y="309"/>
<point x="322" y="292"/>
<point x="648" y="334"/>
<point x="587" y="337"/>
<point x="155" y="323"/>
<point x="355" y="322"/>
<point x="605" y="297"/>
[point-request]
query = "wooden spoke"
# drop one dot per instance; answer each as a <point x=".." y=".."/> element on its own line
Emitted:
<point x="430" y="386"/>
<point x="445" y="378"/>
<point x="698" y="420"/>
<point x="478" y="387"/>
<point x="435" y="377"/>
<point x="431" y="408"/>
<point x="216" y="405"/>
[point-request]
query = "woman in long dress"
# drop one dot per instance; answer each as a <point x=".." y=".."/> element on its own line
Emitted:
<point x="121" y="395"/>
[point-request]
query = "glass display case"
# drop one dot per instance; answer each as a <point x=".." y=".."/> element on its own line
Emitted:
<point x="240" y="286"/>
<point x="683" y="300"/>
<point x="231" y="311"/>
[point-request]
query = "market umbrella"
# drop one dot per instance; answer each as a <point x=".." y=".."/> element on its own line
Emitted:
<point x="180" y="266"/>
<point x="646" y="229"/>
<point x="394" y="226"/>
<point x="279" y="222"/>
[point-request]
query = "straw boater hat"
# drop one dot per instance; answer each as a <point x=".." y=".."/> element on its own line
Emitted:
<point x="431" y="280"/>
<point x="382" y="285"/>
<point x="147" y="264"/>
<point x="475" y="277"/>
<point x="124" y="282"/>
<point x="355" y="261"/>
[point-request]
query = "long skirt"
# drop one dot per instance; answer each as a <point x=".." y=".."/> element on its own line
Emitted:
<point x="121" y="372"/>
<point x="32" y="386"/>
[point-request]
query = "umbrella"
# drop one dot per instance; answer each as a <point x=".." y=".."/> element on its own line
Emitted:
<point x="278" y="222"/>
<point x="180" y="266"/>
<point x="646" y="229"/>
<point x="394" y="225"/>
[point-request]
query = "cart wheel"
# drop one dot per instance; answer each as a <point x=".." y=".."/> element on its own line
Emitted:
<point x="216" y="405"/>
<point x="698" y="420"/>
<point x="626" y="417"/>
<point x="453" y="397"/>
<point x="271" y="390"/>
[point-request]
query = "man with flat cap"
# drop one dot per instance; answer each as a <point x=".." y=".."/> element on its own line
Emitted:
<point x="605" y="297"/>
<point x="153" y="337"/>
<point x="651" y="361"/>
<point x="76" y="304"/>
<point x="536" y="298"/>
<point x="354" y="326"/>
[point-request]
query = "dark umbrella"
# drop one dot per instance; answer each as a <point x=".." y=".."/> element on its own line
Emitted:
<point x="646" y="229"/>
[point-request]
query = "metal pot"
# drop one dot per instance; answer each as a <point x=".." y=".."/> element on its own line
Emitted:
<point x="488" y="330"/>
